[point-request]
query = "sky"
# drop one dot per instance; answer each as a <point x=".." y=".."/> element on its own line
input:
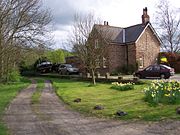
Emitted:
<point x="120" y="13"/>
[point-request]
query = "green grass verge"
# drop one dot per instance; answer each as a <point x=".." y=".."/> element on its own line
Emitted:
<point x="37" y="94"/>
<point x="131" y="101"/>
<point x="7" y="93"/>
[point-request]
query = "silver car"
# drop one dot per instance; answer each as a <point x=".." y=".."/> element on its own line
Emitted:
<point x="67" y="69"/>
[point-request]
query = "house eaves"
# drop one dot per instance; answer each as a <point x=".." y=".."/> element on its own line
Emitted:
<point x="151" y="28"/>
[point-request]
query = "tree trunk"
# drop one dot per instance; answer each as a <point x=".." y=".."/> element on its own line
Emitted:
<point x="93" y="77"/>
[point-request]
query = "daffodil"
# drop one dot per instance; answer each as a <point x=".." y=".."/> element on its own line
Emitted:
<point x="167" y="95"/>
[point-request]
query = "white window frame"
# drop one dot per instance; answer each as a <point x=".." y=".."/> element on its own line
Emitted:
<point x="141" y="62"/>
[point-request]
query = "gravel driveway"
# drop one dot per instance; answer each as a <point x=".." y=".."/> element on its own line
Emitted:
<point x="52" y="117"/>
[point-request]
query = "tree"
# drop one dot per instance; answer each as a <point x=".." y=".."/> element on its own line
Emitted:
<point x="168" y="22"/>
<point x="55" y="56"/>
<point x="89" y="42"/>
<point x="23" y="24"/>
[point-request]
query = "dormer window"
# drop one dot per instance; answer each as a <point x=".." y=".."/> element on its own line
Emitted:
<point x="96" y="44"/>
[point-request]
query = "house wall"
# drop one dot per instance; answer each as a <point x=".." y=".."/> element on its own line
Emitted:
<point x="147" y="48"/>
<point x="131" y="54"/>
<point x="116" y="56"/>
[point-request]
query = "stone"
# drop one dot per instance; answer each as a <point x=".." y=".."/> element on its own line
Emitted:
<point x="178" y="110"/>
<point x="121" y="113"/>
<point x="77" y="100"/>
<point x="98" y="107"/>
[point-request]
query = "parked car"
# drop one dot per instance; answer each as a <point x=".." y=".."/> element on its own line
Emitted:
<point x="55" y="67"/>
<point x="161" y="71"/>
<point x="67" y="69"/>
<point x="44" y="67"/>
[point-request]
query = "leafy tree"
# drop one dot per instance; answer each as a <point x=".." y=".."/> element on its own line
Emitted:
<point x="23" y="24"/>
<point x="55" y="56"/>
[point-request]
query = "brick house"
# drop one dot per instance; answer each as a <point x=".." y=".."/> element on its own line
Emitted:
<point x="137" y="45"/>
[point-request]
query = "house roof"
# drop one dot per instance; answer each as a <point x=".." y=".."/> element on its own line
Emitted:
<point x="125" y="35"/>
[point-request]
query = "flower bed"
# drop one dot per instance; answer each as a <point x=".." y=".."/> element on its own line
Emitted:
<point x="163" y="92"/>
<point x="122" y="86"/>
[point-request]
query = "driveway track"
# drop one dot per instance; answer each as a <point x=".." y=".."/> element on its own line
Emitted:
<point x="52" y="117"/>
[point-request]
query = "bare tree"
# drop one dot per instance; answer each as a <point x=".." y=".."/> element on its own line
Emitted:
<point x="168" y="22"/>
<point x="23" y="24"/>
<point x="89" y="42"/>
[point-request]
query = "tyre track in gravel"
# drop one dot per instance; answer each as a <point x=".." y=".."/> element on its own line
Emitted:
<point x="19" y="116"/>
<point x="52" y="117"/>
<point x="61" y="120"/>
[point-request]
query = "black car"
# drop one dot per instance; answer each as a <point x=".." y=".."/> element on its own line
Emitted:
<point x="161" y="71"/>
<point x="67" y="69"/>
<point x="44" y="67"/>
<point x="55" y="67"/>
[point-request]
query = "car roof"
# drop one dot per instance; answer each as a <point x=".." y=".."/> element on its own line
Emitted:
<point x="166" y="66"/>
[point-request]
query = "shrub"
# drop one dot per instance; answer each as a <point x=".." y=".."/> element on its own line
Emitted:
<point x="172" y="58"/>
<point x="14" y="75"/>
<point x="125" y="70"/>
<point x="163" y="92"/>
<point x="122" y="86"/>
<point x="128" y="69"/>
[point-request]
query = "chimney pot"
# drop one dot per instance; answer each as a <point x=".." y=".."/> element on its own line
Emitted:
<point x="145" y="16"/>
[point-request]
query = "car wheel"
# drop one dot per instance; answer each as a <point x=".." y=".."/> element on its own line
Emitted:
<point x="162" y="76"/>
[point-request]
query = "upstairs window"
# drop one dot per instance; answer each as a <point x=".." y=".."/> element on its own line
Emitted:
<point x="97" y="61"/>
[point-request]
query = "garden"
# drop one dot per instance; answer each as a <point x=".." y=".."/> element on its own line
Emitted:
<point x="151" y="101"/>
<point x="145" y="100"/>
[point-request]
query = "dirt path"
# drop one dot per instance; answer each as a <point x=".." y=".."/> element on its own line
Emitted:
<point x="19" y="117"/>
<point x="52" y="117"/>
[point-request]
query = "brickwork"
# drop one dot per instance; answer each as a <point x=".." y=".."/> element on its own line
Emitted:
<point x="147" y="48"/>
<point x="117" y="56"/>
<point x="131" y="54"/>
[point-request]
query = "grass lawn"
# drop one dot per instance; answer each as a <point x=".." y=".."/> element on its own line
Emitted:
<point x="131" y="101"/>
<point x="7" y="93"/>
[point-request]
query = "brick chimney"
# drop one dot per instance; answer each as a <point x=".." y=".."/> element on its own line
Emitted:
<point x="145" y="16"/>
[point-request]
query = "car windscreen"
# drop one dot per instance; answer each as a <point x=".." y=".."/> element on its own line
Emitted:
<point x="69" y="66"/>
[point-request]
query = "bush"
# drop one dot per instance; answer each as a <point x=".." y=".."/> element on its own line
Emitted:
<point x="173" y="60"/>
<point x="128" y="69"/>
<point x="163" y="92"/>
<point x="125" y="70"/>
<point x="14" y="75"/>
<point x="122" y="86"/>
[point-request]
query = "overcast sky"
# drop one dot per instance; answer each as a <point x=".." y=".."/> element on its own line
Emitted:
<point x="121" y="13"/>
